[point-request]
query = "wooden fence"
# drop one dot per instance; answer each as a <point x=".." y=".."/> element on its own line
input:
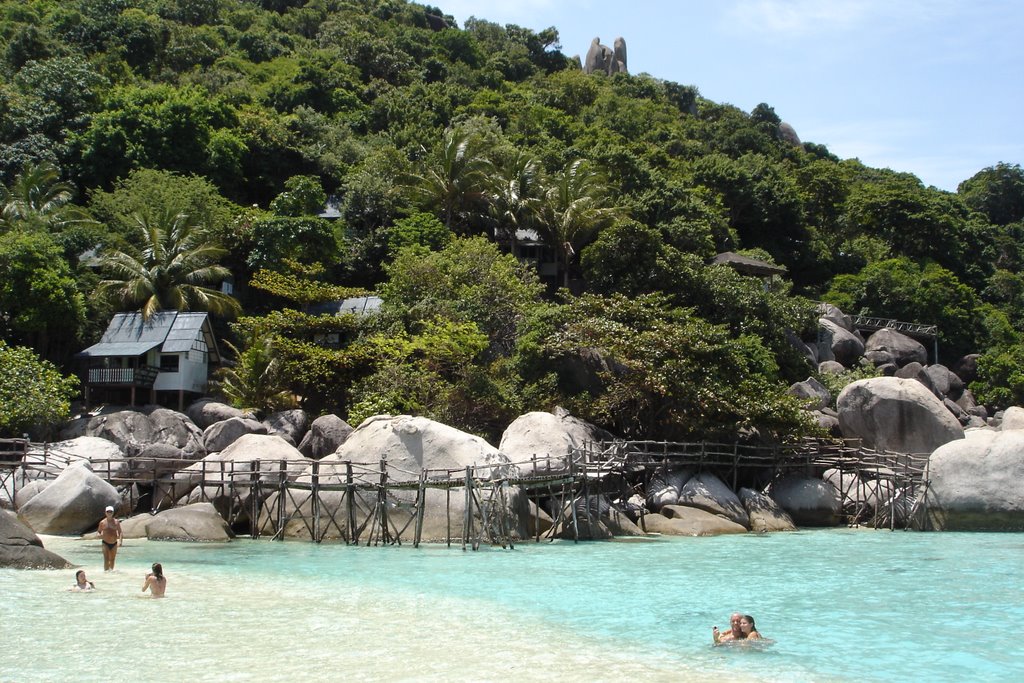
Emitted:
<point x="379" y="503"/>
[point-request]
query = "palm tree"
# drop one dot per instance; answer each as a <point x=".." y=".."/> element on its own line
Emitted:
<point x="454" y="178"/>
<point x="38" y="197"/>
<point x="172" y="268"/>
<point x="514" y="194"/>
<point x="254" y="382"/>
<point x="573" y="208"/>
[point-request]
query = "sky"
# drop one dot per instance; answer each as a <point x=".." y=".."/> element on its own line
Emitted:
<point x="930" y="87"/>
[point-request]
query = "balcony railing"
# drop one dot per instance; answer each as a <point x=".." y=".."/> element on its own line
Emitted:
<point x="140" y="377"/>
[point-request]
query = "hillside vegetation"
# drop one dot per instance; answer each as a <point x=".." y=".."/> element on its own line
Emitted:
<point x="140" y="135"/>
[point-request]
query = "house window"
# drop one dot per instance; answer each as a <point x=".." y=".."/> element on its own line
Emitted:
<point x="169" y="362"/>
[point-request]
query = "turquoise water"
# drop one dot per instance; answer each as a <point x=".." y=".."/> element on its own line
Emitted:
<point x="843" y="605"/>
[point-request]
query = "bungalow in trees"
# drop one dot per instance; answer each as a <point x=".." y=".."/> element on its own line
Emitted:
<point x="160" y="360"/>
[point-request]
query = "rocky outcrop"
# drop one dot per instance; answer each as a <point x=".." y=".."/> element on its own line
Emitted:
<point x="195" y="522"/>
<point x="889" y="413"/>
<point x="104" y="457"/>
<point x="900" y="348"/>
<point x="679" y="520"/>
<point x="290" y="425"/>
<point x="406" y="445"/>
<point x="72" y="504"/>
<point x="539" y="442"/>
<point x="603" y="59"/>
<point x="133" y="430"/>
<point x="765" y="514"/>
<point x="206" y="412"/>
<point x="975" y="483"/>
<point x="326" y="433"/>
<point x="707" y="492"/>
<point x="808" y="501"/>
<point x="220" y="435"/>
<point x="20" y="547"/>
<point x="838" y="343"/>
<point x="665" y="487"/>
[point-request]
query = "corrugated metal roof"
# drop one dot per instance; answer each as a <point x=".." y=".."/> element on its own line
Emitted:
<point x="103" y="349"/>
<point x="128" y="335"/>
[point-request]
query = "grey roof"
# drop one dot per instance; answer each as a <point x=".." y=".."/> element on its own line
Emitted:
<point x="129" y="335"/>
<point x="356" y="305"/>
<point x="745" y="264"/>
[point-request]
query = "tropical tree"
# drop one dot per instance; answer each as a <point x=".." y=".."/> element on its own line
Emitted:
<point x="514" y="194"/>
<point x="34" y="395"/>
<point x="255" y="380"/>
<point x="38" y="198"/>
<point x="574" y="208"/>
<point x="452" y="179"/>
<point x="170" y="271"/>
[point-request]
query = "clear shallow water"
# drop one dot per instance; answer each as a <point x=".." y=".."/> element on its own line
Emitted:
<point x="843" y="605"/>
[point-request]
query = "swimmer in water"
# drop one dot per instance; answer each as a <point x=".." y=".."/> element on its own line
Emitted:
<point x="156" y="583"/>
<point x="734" y="632"/>
<point x="82" y="585"/>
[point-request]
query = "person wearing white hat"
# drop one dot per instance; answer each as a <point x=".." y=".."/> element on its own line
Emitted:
<point x="110" y="536"/>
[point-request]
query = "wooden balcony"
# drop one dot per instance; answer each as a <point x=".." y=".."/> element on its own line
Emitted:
<point x="138" y="377"/>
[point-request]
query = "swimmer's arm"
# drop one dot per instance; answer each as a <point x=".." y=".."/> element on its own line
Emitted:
<point x="715" y="635"/>
<point x="149" y="580"/>
<point x="754" y="635"/>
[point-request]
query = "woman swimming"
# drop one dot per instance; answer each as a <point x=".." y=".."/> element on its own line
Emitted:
<point x="748" y="628"/>
<point x="82" y="585"/>
<point x="156" y="582"/>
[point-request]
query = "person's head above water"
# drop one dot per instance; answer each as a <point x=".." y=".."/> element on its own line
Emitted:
<point x="158" y="570"/>
<point x="747" y="624"/>
<point x="734" y="622"/>
<point x="80" y="577"/>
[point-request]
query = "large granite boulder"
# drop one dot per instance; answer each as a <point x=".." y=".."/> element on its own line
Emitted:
<point x="206" y="412"/>
<point x="325" y="434"/>
<point x="901" y="348"/>
<point x="679" y="520"/>
<point x="812" y="392"/>
<point x="1013" y="418"/>
<point x="808" y="501"/>
<point x="707" y="492"/>
<point x="539" y="443"/>
<point x="291" y="425"/>
<point x="226" y="478"/>
<point x="158" y="460"/>
<point x="220" y="435"/>
<point x="944" y="381"/>
<point x="665" y="487"/>
<point x="195" y="522"/>
<point x="20" y="547"/>
<point x="27" y="491"/>
<point x="133" y="430"/>
<point x="893" y="414"/>
<point x="838" y="344"/>
<point x="105" y="457"/>
<point x="406" y="446"/>
<point x="764" y="513"/>
<point x="72" y="504"/>
<point x="975" y="483"/>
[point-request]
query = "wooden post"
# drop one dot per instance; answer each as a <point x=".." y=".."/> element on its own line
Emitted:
<point x="448" y="509"/>
<point x="468" y="512"/>
<point x="254" y="498"/>
<point x="421" y="500"/>
<point x="314" y="498"/>
<point x="350" y="504"/>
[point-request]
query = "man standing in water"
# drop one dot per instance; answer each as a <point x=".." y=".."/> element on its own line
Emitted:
<point x="110" y="536"/>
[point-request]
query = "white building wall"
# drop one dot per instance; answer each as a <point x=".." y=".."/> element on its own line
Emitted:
<point x="191" y="376"/>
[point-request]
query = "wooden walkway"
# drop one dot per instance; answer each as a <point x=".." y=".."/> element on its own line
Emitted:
<point x="381" y="505"/>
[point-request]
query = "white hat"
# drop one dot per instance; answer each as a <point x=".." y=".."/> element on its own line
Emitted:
<point x="110" y="508"/>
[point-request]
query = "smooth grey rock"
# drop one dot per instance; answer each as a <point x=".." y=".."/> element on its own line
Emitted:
<point x="72" y="504"/>
<point x="967" y="368"/>
<point x="788" y="134"/>
<point x="160" y="459"/>
<point x="105" y="457"/>
<point x="540" y="442"/>
<point x="831" y="367"/>
<point x="290" y="424"/>
<point x="975" y="483"/>
<point x="706" y="492"/>
<point x="178" y="430"/>
<point x="838" y="344"/>
<point x="20" y="547"/>
<point x="206" y="412"/>
<point x="680" y="520"/>
<point x="808" y="501"/>
<point x="945" y="381"/>
<point x="195" y="522"/>
<point x="764" y="513"/>
<point x="902" y="348"/>
<point x="888" y="413"/>
<point x="29" y="490"/>
<point x="813" y="393"/>
<point x="665" y="486"/>
<point x="325" y="434"/>
<point x="1013" y="418"/>
<point x="830" y="312"/>
<point x="220" y="435"/>
<point x="407" y="445"/>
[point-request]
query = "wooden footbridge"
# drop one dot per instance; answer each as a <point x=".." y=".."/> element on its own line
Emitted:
<point x="496" y="505"/>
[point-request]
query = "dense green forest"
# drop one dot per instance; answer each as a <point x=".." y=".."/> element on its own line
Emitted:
<point x="149" y="149"/>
